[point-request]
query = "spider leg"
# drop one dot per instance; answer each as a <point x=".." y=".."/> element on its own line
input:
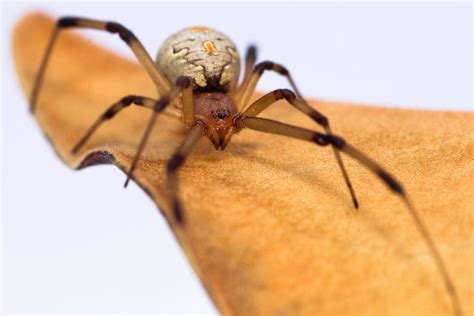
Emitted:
<point x="125" y="34"/>
<point x="250" y="59"/>
<point x="178" y="158"/>
<point x="112" y="111"/>
<point x="248" y="86"/>
<point x="182" y="84"/>
<point x="270" y="98"/>
<point x="275" y="127"/>
<point x="187" y="98"/>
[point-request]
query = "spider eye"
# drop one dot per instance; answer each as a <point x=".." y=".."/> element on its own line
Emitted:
<point x="221" y="114"/>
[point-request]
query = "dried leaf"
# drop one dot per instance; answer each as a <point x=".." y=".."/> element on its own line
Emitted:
<point x="270" y="225"/>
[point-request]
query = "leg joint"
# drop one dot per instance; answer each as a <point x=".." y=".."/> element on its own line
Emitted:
<point x="325" y="139"/>
<point x="124" y="102"/>
<point x="391" y="182"/>
<point x="131" y="99"/>
<point x="320" y="139"/>
<point x="112" y="111"/>
<point x="161" y="103"/>
<point x="268" y="65"/>
<point x="251" y="52"/>
<point x="183" y="82"/>
<point x="68" y="22"/>
<point x="122" y="31"/>
<point x="174" y="162"/>
<point x="285" y="93"/>
<point x="319" y="118"/>
<point x="337" y="141"/>
<point x="178" y="213"/>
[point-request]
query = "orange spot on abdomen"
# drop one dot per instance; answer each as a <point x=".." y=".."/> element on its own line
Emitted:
<point x="210" y="48"/>
<point x="199" y="28"/>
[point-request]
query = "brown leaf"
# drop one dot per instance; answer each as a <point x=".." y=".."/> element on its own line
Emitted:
<point x="270" y="225"/>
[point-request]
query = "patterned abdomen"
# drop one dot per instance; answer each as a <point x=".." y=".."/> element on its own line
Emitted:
<point x="206" y="56"/>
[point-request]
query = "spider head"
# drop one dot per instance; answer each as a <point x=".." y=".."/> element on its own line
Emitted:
<point x="217" y="111"/>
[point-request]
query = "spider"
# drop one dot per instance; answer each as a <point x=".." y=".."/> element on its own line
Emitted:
<point x="196" y="74"/>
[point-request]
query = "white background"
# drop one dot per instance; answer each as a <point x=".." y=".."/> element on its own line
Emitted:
<point x="78" y="242"/>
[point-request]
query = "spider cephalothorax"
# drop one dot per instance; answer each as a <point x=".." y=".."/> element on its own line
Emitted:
<point x="197" y="72"/>
<point x="217" y="111"/>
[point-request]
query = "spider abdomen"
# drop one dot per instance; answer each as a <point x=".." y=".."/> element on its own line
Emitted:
<point x="208" y="57"/>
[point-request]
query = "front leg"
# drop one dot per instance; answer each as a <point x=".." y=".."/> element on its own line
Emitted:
<point x="113" y="110"/>
<point x="250" y="84"/>
<point x="270" y="98"/>
<point x="248" y="88"/>
<point x="182" y="85"/>
<point x="178" y="158"/>
<point x="125" y="34"/>
<point x="250" y="59"/>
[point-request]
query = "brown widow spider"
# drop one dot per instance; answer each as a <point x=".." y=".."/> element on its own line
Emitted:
<point x="196" y="75"/>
